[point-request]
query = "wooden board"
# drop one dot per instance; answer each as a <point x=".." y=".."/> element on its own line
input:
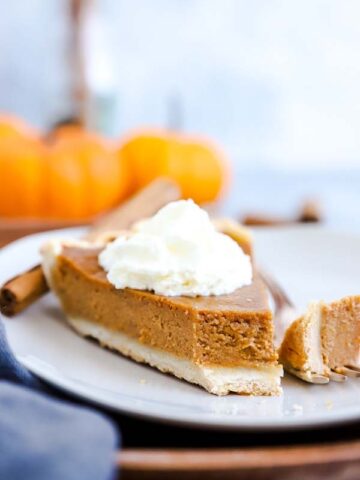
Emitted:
<point x="158" y="451"/>
<point x="340" y="461"/>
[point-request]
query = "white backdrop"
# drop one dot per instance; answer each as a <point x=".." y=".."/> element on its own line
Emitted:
<point x="275" y="82"/>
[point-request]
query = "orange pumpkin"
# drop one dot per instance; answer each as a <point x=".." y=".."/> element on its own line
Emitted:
<point x="21" y="166"/>
<point x="83" y="176"/>
<point x="21" y="176"/>
<point x="72" y="176"/>
<point x="11" y="127"/>
<point x="198" y="166"/>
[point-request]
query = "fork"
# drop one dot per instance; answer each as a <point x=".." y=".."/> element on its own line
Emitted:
<point x="285" y="313"/>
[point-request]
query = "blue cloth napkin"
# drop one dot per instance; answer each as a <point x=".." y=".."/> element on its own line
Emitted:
<point x="46" y="438"/>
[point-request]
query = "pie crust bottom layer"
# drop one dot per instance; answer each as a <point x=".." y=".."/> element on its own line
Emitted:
<point x="264" y="380"/>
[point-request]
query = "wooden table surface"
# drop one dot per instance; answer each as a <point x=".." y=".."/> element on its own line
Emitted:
<point x="155" y="451"/>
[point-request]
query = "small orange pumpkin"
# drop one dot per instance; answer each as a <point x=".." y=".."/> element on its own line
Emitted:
<point x="21" y="166"/>
<point x="21" y="176"/>
<point x="198" y="166"/>
<point x="73" y="175"/>
<point x="83" y="176"/>
<point x="11" y="127"/>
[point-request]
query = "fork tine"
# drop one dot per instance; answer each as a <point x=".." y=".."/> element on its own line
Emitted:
<point x="308" y="376"/>
<point x="337" y="377"/>
<point x="355" y="369"/>
<point x="348" y="371"/>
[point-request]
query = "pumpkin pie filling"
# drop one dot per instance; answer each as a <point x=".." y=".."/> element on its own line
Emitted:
<point x="224" y="343"/>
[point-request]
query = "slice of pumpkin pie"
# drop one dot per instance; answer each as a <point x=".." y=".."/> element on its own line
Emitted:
<point x="176" y="294"/>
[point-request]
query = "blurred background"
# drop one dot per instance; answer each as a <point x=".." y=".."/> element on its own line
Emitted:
<point x="274" y="83"/>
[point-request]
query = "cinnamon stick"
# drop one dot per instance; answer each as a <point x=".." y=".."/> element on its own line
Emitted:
<point x="24" y="289"/>
<point x="144" y="204"/>
<point x="310" y="212"/>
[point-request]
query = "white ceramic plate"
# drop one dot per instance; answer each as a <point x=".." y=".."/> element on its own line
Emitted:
<point x="311" y="263"/>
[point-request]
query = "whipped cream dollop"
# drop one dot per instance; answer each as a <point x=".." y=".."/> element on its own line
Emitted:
<point x="178" y="251"/>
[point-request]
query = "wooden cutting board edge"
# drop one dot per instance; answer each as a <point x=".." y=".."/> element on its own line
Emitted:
<point x="242" y="458"/>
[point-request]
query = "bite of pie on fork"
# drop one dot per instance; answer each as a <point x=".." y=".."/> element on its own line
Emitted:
<point x="321" y="345"/>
